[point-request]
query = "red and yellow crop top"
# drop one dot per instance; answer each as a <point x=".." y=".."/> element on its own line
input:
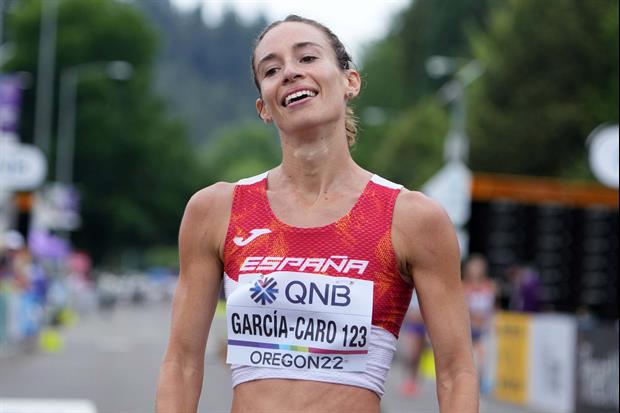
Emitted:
<point x="357" y="248"/>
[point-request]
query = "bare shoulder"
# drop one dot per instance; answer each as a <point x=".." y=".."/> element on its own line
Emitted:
<point x="213" y="199"/>
<point x="421" y="228"/>
<point x="207" y="214"/>
<point x="415" y="212"/>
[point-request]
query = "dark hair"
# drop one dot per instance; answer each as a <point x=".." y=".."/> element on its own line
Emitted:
<point x="342" y="56"/>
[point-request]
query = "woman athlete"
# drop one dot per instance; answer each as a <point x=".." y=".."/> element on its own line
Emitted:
<point x="318" y="256"/>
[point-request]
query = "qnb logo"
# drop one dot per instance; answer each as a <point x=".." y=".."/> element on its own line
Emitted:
<point x="264" y="291"/>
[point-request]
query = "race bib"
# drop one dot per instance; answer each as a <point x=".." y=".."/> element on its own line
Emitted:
<point x="300" y="321"/>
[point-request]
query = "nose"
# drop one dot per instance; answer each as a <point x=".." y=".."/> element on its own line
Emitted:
<point x="291" y="73"/>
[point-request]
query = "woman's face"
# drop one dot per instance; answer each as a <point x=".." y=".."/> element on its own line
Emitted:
<point x="300" y="81"/>
<point x="475" y="270"/>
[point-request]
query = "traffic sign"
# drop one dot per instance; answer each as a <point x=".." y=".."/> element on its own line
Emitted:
<point x="451" y="187"/>
<point x="22" y="167"/>
<point x="603" y="154"/>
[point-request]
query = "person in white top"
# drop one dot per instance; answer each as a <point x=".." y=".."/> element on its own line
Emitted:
<point x="480" y="293"/>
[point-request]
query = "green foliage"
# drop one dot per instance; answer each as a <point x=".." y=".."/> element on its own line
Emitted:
<point x="241" y="152"/>
<point x="383" y="76"/>
<point x="406" y="145"/>
<point x="435" y="27"/>
<point x="133" y="165"/>
<point x="166" y="256"/>
<point x="410" y="149"/>
<point x="204" y="70"/>
<point x="551" y="78"/>
<point x="87" y="32"/>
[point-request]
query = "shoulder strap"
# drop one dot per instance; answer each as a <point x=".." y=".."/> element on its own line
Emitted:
<point x="248" y="197"/>
<point x="377" y="203"/>
<point x="253" y="179"/>
<point x="384" y="182"/>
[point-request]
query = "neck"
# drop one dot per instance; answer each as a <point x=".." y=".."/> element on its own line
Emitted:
<point x="316" y="162"/>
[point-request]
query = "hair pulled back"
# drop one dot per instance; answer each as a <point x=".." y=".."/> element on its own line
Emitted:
<point x="342" y="56"/>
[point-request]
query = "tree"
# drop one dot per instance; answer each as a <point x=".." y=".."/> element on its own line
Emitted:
<point x="133" y="164"/>
<point x="204" y="70"/>
<point x="436" y="27"/>
<point x="241" y="152"/>
<point x="551" y="78"/>
<point x="410" y="149"/>
<point x="398" y="93"/>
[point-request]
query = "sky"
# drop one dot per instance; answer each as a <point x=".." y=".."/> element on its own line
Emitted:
<point x="355" y="22"/>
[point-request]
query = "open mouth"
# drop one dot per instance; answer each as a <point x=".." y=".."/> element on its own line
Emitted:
<point x="298" y="96"/>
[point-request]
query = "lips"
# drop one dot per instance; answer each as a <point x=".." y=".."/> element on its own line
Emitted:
<point x="297" y="96"/>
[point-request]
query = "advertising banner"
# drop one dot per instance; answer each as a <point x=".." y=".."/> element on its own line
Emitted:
<point x="553" y="344"/>
<point x="512" y="331"/>
<point x="597" y="370"/>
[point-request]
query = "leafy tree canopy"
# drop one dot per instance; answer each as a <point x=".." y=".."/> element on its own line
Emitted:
<point x="133" y="165"/>
<point x="398" y="109"/>
<point x="241" y="152"/>
<point x="204" y="70"/>
<point x="551" y="78"/>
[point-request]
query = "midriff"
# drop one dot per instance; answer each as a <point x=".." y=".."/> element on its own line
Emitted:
<point x="301" y="396"/>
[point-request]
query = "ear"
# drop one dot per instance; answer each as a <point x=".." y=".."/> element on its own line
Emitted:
<point x="353" y="84"/>
<point x="263" y="113"/>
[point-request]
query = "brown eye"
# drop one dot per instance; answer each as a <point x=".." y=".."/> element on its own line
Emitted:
<point x="308" y="59"/>
<point x="270" y="72"/>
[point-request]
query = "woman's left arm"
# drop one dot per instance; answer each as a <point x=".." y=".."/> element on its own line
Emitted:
<point x="425" y="239"/>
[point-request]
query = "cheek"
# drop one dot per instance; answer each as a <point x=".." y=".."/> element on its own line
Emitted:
<point x="337" y="83"/>
<point x="268" y="95"/>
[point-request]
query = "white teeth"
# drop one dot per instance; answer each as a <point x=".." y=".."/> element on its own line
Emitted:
<point x="301" y="93"/>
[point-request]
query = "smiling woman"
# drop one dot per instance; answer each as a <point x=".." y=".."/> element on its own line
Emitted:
<point x="318" y="257"/>
<point x="308" y="52"/>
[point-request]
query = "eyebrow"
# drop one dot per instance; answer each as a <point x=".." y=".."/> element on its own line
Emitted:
<point x="296" y="46"/>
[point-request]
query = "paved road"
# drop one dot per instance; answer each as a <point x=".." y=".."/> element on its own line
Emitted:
<point x="113" y="360"/>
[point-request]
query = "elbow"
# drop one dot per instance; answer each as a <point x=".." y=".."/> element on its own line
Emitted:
<point x="459" y="391"/>
<point x="467" y="377"/>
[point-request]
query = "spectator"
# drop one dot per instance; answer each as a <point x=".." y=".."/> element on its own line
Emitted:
<point x="524" y="289"/>
<point x="480" y="293"/>
<point x="414" y="342"/>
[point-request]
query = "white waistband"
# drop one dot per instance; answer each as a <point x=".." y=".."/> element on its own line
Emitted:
<point x="382" y="347"/>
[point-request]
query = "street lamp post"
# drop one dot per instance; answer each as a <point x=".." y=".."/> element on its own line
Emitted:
<point x="45" y="75"/>
<point x="69" y="78"/>
<point x="453" y="92"/>
<point x="451" y="186"/>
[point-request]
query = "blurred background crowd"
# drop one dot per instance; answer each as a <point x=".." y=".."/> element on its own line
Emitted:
<point x="113" y="112"/>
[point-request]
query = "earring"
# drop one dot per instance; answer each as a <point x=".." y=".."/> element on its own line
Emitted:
<point x="350" y="95"/>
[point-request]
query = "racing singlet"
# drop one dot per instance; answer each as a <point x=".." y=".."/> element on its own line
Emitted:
<point x="311" y="299"/>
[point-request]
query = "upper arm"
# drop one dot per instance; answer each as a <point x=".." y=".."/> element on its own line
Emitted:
<point x="426" y="241"/>
<point x="201" y="235"/>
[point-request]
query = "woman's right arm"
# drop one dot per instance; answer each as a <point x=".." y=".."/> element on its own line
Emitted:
<point x="201" y="239"/>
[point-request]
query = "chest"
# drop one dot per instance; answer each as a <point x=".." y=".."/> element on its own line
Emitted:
<point x="305" y="212"/>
